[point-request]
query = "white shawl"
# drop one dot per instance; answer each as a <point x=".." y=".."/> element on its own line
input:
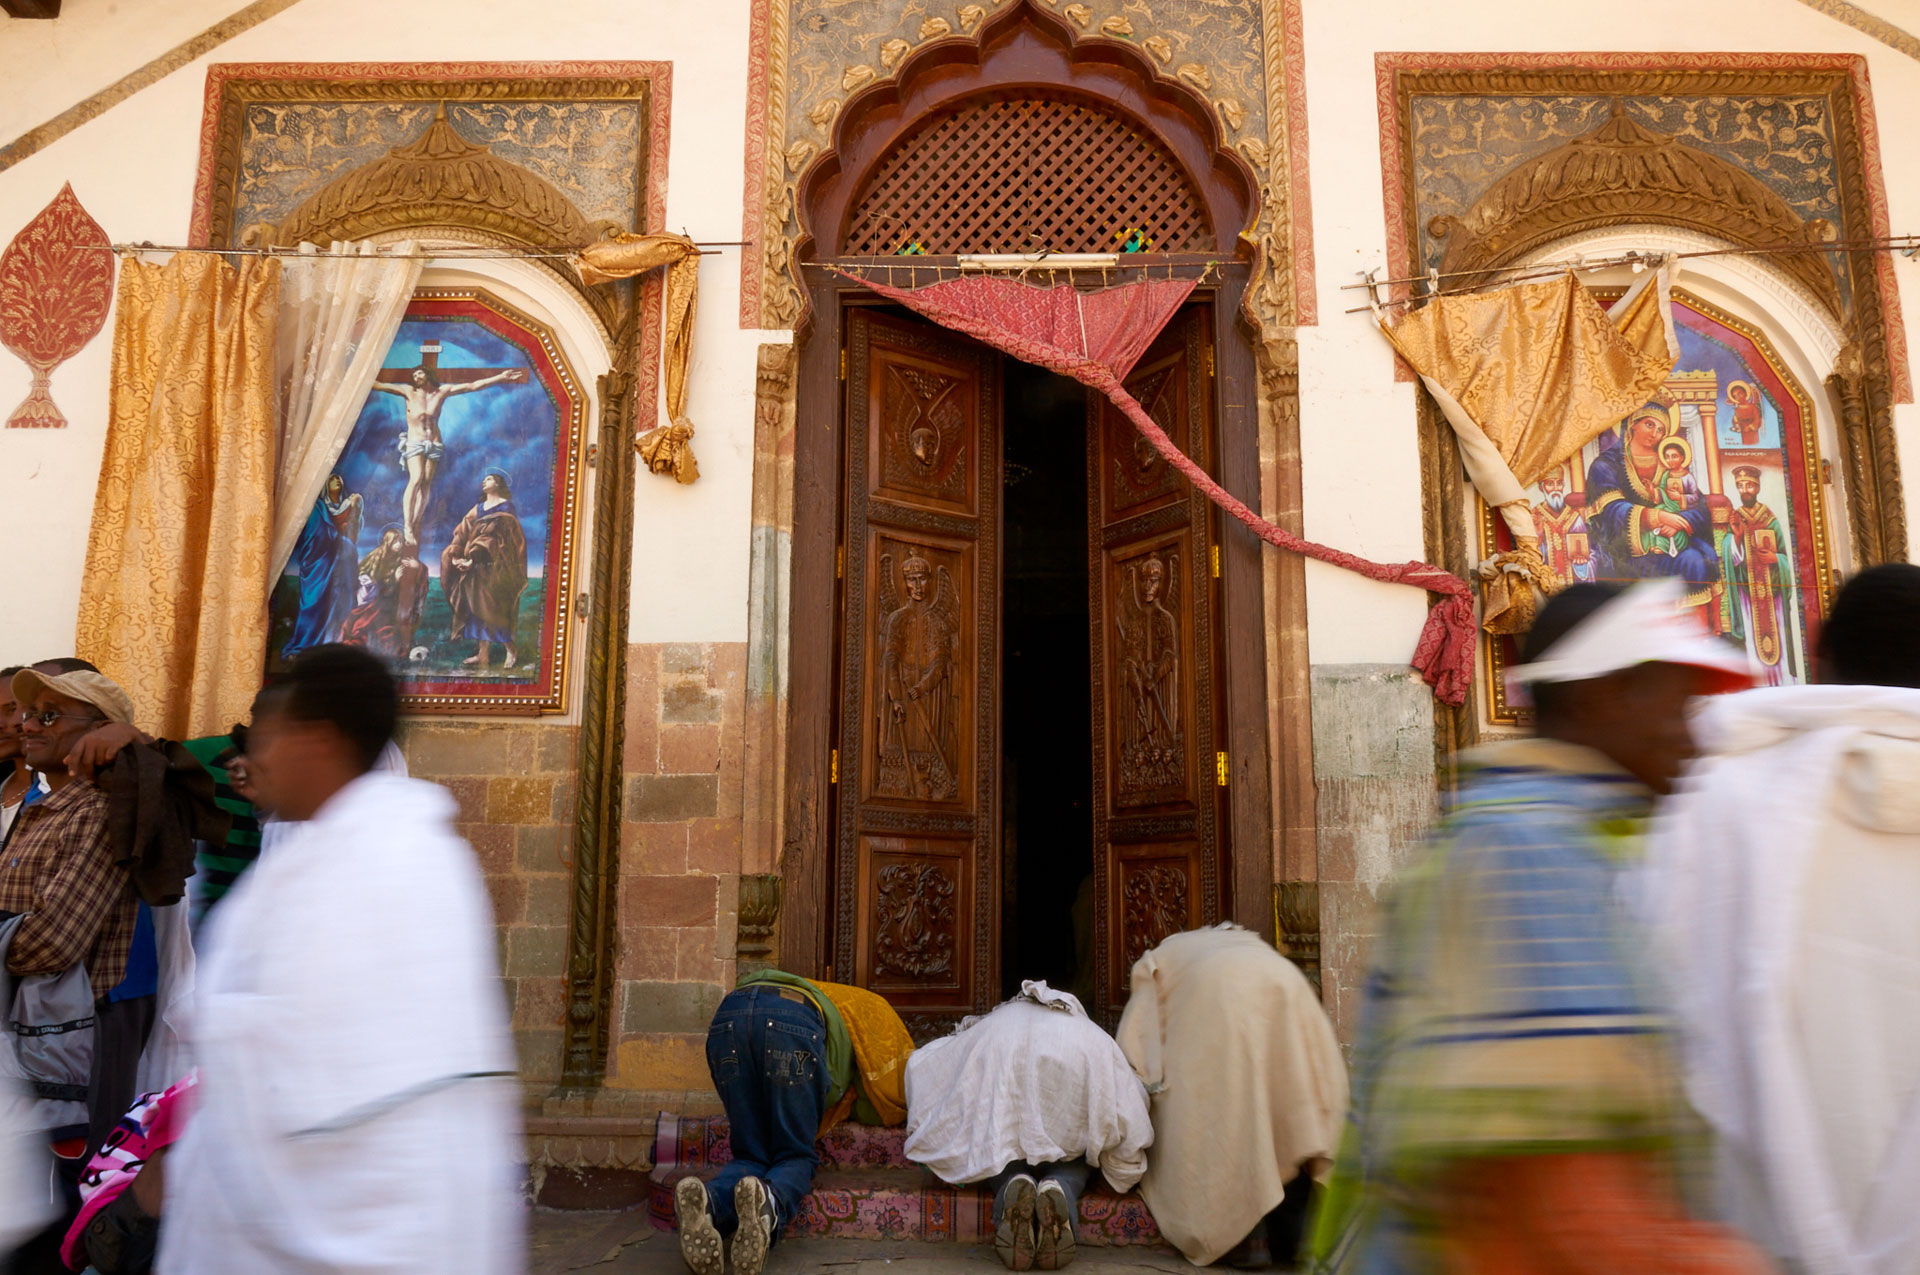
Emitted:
<point x="356" y="1109"/>
<point x="1784" y="883"/>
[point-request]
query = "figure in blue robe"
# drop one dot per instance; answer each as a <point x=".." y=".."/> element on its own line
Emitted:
<point x="1626" y="523"/>
<point x="327" y="562"/>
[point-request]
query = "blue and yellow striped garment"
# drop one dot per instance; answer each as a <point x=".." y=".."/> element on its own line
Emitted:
<point x="1505" y="1013"/>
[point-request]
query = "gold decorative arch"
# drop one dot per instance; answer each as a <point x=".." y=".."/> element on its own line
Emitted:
<point x="1620" y="173"/>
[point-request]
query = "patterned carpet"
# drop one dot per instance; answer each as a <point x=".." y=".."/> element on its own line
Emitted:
<point x="868" y="1189"/>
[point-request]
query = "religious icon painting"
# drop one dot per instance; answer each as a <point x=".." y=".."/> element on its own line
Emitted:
<point x="1715" y="483"/>
<point x="444" y="539"/>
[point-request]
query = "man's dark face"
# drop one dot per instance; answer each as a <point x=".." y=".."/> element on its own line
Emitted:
<point x="9" y="723"/>
<point x="46" y="746"/>
<point x="1638" y="717"/>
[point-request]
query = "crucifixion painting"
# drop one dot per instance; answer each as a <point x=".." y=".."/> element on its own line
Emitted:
<point x="422" y="446"/>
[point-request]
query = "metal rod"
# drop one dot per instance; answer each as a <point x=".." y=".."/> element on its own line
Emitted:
<point x="1891" y="243"/>
<point x="452" y="254"/>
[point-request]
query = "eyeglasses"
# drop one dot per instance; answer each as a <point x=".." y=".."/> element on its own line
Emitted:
<point x="49" y="716"/>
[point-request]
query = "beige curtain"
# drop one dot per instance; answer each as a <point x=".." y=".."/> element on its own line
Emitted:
<point x="173" y="604"/>
<point x="1528" y="375"/>
<point x="667" y="449"/>
<point x="339" y="312"/>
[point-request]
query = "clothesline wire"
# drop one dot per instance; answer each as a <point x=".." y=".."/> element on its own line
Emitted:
<point x="451" y="254"/>
<point x="1549" y="269"/>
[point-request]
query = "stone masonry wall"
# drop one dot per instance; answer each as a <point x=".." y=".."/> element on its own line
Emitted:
<point x="1375" y="797"/>
<point x="680" y="857"/>
<point x="515" y="787"/>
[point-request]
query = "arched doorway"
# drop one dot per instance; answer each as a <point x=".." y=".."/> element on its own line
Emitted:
<point x="1024" y="659"/>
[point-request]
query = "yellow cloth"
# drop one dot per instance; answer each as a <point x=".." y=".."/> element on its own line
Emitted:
<point x="667" y="449"/>
<point x="881" y="1047"/>
<point x="173" y="603"/>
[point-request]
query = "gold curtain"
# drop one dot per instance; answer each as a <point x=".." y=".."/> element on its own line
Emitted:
<point x="1528" y="375"/>
<point x="173" y="604"/>
<point x="667" y="449"/>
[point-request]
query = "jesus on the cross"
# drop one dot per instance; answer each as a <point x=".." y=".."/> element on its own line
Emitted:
<point x="426" y="389"/>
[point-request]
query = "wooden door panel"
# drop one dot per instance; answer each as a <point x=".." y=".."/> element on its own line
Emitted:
<point x="917" y="945"/>
<point x="1156" y="728"/>
<point x="916" y="842"/>
<point x="923" y="666"/>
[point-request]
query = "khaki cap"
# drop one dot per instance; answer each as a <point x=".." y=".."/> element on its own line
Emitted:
<point x="96" y="689"/>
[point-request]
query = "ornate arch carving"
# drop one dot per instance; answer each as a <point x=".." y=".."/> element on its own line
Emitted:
<point x="1022" y="51"/>
<point x="1622" y="173"/>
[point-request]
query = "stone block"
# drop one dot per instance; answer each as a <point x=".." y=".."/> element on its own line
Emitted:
<point x="541" y="848"/>
<point x="656" y="849"/>
<point x="657" y="1061"/>
<point x="1371" y="720"/>
<point x="713" y="846"/>
<point x="540" y="1002"/>
<point x="668" y="1007"/>
<point x="671" y="798"/>
<point x="469" y="799"/>
<point x="549" y="900"/>
<point x="509" y="895"/>
<point x="690" y="749"/>
<point x="520" y="801"/>
<point x="492" y="844"/>
<point x="640" y="754"/>
<point x="558" y="745"/>
<point x="670" y="901"/>
<point x="649" y="953"/>
<point x="686" y="659"/>
<point x="689" y="702"/>
<point x="538" y="1049"/>
<point x="536" y="951"/>
<point x="696" y="957"/>
<point x="434" y="752"/>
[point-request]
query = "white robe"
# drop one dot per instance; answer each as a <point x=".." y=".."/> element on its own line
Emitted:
<point x="1035" y="1080"/>
<point x="1247" y="1082"/>
<point x="346" y="1017"/>
<point x="1784" y="885"/>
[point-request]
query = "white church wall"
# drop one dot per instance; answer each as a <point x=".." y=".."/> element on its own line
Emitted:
<point x="133" y="168"/>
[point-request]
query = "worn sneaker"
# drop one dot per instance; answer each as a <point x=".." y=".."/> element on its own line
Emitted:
<point x="1013" y="1238"/>
<point x="699" y="1238"/>
<point x="1054" y="1243"/>
<point x="754" y="1205"/>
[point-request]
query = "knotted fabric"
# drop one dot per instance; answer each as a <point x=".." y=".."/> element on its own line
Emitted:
<point x="1096" y="338"/>
<point x="667" y="449"/>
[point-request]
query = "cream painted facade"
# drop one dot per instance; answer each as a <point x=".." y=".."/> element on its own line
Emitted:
<point x="701" y="783"/>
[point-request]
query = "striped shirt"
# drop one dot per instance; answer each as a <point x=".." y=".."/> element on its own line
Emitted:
<point x="217" y="867"/>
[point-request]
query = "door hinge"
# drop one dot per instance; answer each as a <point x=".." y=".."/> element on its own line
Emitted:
<point x="839" y="562"/>
<point x="833" y="766"/>
<point x="1216" y="561"/>
<point x="1220" y="770"/>
<point x="843" y="365"/>
<point x="1209" y="360"/>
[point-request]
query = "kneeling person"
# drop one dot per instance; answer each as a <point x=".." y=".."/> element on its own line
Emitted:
<point x="1034" y="1097"/>
<point x="790" y="1059"/>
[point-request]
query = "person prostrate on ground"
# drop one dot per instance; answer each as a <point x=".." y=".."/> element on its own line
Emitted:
<point x="1516" y="1107"/>
<point x="1786" y="878"/>
<point x="1247" y="1090"/>
<point x="356" y="1109"/>
<point x="1034" y="1097"/>
<point x="790" y="1059"/>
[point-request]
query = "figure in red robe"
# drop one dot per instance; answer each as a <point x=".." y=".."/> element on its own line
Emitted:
<point x="483" y="572"/>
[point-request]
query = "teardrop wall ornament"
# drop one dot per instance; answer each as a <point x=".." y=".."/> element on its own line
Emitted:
<point x="56" y="286"/>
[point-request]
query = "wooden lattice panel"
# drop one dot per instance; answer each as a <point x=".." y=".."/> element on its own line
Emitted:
<point x="1023" y="175"/>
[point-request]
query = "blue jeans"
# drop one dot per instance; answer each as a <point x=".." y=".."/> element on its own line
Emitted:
<point x="767" y="1051"/>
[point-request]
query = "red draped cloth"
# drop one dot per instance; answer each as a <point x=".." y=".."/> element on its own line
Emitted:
<point x="1096" y="338"/>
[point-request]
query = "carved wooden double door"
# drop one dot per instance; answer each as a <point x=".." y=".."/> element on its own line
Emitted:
<point x="917" y="827"/>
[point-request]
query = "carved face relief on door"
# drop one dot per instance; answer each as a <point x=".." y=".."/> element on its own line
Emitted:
<point x="924" y="453"/>
<point x="922" y="626"/>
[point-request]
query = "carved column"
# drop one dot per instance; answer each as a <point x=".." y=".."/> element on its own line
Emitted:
<point x="759" y="914"/>
<point x="1848" y="385"/>
<point x="596" y="830"/>
<point x="768" y="605"/>
<point x="1296" y="906"/>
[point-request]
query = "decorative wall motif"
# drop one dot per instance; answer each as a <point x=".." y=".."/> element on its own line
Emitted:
<point x="814" y="56"/>
<point x="913" y="920"/>
<point x="56" y="286"/>
<point x="1155" y="901"/>
<point x="923" y="436"/>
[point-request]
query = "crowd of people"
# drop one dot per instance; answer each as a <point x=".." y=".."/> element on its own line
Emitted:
<point x="1648" y="1001"/>
<point x="254" y="1004"/>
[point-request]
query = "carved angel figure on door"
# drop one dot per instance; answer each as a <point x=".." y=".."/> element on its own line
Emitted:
<point x="1152" y="751"/>
<point x="919" y="648"/>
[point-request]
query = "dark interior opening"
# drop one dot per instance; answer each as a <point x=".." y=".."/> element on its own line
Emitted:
<point x="1046" y="714"/>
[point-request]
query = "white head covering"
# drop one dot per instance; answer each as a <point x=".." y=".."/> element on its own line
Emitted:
<point x="1645" y="624"/>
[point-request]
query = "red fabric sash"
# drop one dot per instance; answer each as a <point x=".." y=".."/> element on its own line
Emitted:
<point x="1096" y="338"/>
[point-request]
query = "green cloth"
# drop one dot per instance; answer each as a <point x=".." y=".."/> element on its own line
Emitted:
<point x="839" y="1043"/>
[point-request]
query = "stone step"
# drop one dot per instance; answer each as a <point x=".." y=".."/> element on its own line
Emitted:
<point x="868" y="1190"/>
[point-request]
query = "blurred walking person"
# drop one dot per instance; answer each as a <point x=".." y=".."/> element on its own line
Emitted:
<point x="1516" y="1105"/>
<point x="356" y="1108"/>
<point x="1787" y="879"/>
